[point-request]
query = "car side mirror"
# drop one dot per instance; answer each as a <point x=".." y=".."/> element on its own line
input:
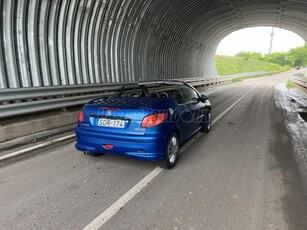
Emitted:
<point x="203" y="98"/>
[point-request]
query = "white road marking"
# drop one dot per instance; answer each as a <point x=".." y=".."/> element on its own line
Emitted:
<point x="115" y="207"/>
<point x="233" y="105"/>
<point x="14" y="154"/>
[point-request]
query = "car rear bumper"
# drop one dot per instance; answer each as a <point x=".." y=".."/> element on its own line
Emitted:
<point x="147" y="147"/>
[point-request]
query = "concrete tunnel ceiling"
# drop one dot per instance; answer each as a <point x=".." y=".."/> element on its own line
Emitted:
<point x="46" y="43"/>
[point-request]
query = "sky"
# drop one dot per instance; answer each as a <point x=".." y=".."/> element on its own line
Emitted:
<point x="258" y="39"/>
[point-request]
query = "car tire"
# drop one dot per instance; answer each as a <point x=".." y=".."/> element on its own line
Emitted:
<point x="207" y="123"/>
<point x="171" y="152"/>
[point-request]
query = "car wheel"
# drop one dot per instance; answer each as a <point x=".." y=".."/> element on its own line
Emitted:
<point x="171" y="152"/>
<point x="207" y="123"/>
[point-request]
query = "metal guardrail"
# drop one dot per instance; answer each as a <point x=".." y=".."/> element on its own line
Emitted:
<point x="301" y="81"/>
<point x="20" y="101"/>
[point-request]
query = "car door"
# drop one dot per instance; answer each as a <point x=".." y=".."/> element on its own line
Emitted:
<point x="193" y="107"/>
<point x="182" y="115"/>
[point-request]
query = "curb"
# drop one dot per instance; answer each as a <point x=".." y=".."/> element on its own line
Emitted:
<point x="35" y="150"/>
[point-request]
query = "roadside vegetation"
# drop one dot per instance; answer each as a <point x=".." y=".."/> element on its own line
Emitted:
<point x="253" y="61"/>
<point x="227" y="65"/>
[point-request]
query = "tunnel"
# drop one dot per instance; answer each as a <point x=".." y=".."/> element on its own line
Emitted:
<point x="81" y="42"/>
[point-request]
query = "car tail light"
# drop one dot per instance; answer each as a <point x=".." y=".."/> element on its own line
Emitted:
<point x="153" y="120"/>
<point x="81" y="117"/>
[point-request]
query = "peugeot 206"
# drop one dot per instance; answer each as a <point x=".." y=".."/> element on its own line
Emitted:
<point x="147" y="121"/>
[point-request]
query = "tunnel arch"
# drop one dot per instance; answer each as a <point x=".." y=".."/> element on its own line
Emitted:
<point x="45" y="43"/>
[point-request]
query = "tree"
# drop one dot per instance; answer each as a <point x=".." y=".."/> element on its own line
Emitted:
<point x="295" y="57"/>
<point x="300" y="55"/>
<point x="281" y="58"/>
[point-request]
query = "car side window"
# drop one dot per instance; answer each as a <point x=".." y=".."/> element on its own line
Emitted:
<point x="188" y="93"/>
<point x="176" y="94"/>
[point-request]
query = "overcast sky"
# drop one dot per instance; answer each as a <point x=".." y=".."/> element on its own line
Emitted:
<point x="257" y="39"/>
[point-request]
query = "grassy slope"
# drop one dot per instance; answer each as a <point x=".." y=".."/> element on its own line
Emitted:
<point x="227" y="65"/>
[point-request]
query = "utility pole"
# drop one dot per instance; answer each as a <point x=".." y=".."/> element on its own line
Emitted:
<point x="271" y="43"/>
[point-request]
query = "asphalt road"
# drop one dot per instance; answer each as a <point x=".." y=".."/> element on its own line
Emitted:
<point x="242" y="175"/>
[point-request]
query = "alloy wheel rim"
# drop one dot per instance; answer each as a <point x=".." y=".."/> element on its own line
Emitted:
<point x="173" y="150"/>
<point x="209" y="121"/>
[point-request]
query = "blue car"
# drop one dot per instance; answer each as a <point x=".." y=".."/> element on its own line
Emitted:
<point x="147" y="121"/>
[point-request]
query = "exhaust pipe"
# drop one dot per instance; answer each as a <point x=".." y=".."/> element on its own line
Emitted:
<point x="86" y="152"/>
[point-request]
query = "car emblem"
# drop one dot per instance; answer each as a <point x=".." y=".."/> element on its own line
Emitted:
<point x="109" y="112"/>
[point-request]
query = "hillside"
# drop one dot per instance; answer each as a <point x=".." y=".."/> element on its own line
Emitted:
<point x="227" y="65"/>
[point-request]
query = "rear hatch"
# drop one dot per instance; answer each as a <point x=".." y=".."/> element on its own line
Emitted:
<point x="118" y="115"/>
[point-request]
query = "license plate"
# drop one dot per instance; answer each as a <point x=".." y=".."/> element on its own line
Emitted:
<point x="111" y="123"/>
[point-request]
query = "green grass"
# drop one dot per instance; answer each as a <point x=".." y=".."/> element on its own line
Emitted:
<point x="227" y="65"/>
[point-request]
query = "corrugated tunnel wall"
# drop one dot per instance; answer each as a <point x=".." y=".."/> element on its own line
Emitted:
<point x="68" y="42"/>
